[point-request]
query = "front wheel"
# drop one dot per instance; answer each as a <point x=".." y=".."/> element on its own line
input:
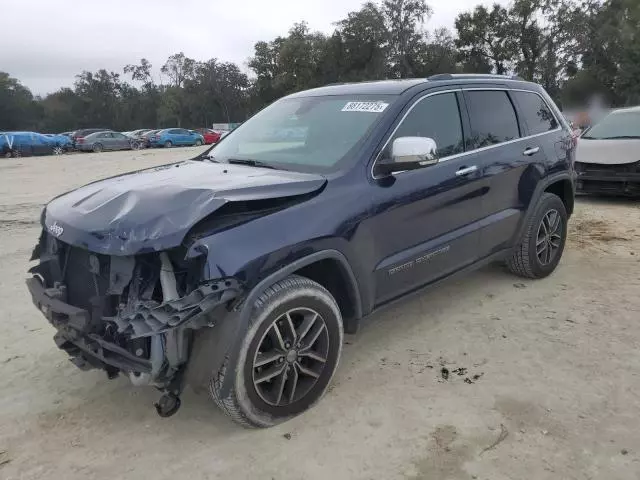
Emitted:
<point x="58" y="150"/>
<point x="541" y="249"/>
<point x="287" y="357"/>
<point x="198" y="143"/>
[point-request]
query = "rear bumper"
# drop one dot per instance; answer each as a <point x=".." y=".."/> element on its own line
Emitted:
<point x="86" y="350"/>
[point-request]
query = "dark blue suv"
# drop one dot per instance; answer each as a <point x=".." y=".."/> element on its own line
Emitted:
<point x="238" y="271"/>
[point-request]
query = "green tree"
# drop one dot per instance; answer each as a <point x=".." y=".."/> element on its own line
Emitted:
<point x="487" y="34"/>
<point x="365" y="41"/>
<point x="405" y="20"/>
<point x="17" y="107"/>
<point x="99" y="98"/>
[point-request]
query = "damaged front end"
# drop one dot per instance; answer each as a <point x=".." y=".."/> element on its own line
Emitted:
<point x="134" y="315"/>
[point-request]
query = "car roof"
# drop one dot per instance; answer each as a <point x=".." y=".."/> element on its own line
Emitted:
<point x="380" y="87"/>
<point x="627" y="110"/>
<point x="397" y="87"/>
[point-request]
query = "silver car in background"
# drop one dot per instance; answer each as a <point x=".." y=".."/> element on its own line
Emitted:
<point x="608" y="155"/>
<point x="99" y="141"/>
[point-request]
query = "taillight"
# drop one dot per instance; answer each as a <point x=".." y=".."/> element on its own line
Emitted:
<point x="80" y="140"/>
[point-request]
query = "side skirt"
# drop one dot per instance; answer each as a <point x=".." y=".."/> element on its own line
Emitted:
<point x="498" y="256"/>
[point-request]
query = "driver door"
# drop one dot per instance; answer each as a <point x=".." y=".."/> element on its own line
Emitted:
<point x="428" y="220"/>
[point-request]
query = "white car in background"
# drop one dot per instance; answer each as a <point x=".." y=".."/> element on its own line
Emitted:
<point x="608" y="155"/>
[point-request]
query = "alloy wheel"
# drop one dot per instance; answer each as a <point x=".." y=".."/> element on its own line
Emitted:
<point x="57" y="150"/>
<point x="549" y="237"/>
<point x="290" y="357"/>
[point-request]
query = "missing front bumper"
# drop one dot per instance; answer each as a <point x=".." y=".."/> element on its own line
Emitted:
<point x="77" y="336"/>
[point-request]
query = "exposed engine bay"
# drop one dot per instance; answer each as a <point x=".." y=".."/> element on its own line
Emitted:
<point x="132" y="315"/>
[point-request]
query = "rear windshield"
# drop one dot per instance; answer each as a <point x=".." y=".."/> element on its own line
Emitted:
<point x="306" y="133"/>
<point x="619" y="125"/>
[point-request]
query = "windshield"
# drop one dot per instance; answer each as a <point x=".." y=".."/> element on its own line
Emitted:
<point x="616" y="125"/>
<point x="306" y="133"/>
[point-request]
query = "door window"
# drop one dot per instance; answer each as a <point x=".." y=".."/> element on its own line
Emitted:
<point x="436" y="117"/>
<point x="493" y="118"/>
<point x="535" y="112"/>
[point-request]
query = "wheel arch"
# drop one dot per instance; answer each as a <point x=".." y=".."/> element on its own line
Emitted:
<point x="560" y="184"/>
<point x="214" y="346"/>
<point x="563" y="188"/>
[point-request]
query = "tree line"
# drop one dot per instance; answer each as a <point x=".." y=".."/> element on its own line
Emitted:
<point x="574" y="48"/>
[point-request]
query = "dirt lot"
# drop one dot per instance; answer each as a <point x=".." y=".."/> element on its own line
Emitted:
<point x="553" y="369"/>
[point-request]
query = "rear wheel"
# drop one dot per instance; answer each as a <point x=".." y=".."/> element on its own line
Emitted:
<point x="58" y="150"/>
<point x="541" y="249"/>
<point x="287" y="357"/>
<point x="198" y="143"/>
<point x="168" y="144"/>
<point x="97" y="148"/>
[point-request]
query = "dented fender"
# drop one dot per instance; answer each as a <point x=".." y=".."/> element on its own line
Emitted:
<point x="215" y="346"/>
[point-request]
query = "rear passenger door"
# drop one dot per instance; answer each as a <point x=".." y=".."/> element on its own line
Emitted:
<point x="107" y="140"/>
<point x="174" y="136"/>
<point x="499" y="153"/>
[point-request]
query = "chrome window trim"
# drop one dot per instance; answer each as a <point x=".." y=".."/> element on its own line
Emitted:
<point x="470" y="152"/>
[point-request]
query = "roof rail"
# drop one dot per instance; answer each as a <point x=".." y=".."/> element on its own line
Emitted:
<point x="470" y="76"/>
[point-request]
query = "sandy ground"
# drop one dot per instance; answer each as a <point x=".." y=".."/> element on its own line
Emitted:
<point x="554" y="370"/>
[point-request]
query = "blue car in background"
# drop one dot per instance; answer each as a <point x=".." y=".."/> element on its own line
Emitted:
<point x="171" y="137"/>
<point x="23" y="144"/>
<point x="62" y="139"/>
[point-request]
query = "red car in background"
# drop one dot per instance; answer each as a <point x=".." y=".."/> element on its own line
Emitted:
<point x="210" y="136"/>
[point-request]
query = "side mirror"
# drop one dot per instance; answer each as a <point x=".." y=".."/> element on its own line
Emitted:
<point x="409" y="153"/>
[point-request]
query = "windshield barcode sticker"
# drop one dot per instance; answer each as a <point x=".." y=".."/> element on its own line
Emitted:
<point x="372" y="107"/>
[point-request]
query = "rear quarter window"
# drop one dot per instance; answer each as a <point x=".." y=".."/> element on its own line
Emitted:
<point x="493" y="118"/>
<point x="535" y="112"/>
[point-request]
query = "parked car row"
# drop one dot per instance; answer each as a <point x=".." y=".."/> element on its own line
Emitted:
<point x="16" y="144"/>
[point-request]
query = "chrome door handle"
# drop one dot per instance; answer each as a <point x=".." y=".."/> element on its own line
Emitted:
<point x="531" y="151"/>
<point x="466" y="170"/>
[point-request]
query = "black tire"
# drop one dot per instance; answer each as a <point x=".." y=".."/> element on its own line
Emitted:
<point x="198" y="143"/>
<point x="168" y="144"/>
<point x="97" y="147"/>
<point x="526" y="260"/>
<point x="246" y="403"/>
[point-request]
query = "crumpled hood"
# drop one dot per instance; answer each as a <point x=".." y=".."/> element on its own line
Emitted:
<point x="153" y="209"/>
<point x="608" y="152"/>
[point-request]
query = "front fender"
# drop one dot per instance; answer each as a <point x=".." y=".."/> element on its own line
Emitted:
<point x="221" y="344"/>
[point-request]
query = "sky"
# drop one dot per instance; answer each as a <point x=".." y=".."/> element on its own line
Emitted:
<point x="51" y="41"/>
